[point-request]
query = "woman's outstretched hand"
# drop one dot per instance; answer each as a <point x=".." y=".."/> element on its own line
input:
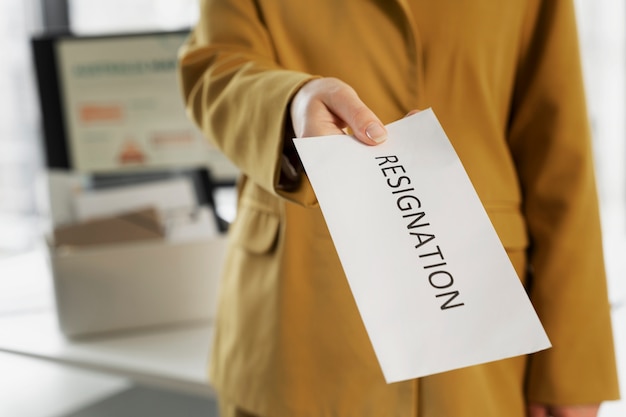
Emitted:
<point x="327" y="106"/>
<point x="540" y="410"/>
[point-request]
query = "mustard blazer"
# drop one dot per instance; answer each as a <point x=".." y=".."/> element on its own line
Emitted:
<point x="504" y="79"/>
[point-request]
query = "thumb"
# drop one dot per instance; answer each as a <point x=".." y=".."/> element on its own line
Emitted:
<point x="536" y="410"/>
<point x="345" y="103"/>
<point x="328" y="105"/>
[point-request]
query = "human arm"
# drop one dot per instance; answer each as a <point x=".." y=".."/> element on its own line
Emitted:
<point x="249" y="106"/>
<point x="550" y="143"/>
<point x="236" y="91"/>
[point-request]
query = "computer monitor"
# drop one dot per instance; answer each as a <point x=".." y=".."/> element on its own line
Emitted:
<point x="111" y="104"/>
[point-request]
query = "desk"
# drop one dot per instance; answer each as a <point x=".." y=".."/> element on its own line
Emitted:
<point x="173" y="357"/>
<point x="170" y="357"/>
<point x="35" y="388"/>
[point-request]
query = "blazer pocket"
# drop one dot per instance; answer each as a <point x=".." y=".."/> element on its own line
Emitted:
<point x="255" y="230"/>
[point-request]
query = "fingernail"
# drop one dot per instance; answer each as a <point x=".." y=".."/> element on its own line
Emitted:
<point x="376" y="132"/>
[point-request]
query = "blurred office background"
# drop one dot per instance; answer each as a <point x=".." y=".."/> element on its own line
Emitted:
<point x="24" y="210"/>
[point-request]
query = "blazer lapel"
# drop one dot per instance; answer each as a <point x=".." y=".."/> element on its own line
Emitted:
<point x="414" y="49"/>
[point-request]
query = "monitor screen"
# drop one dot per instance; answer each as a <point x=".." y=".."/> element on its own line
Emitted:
<point x="112" y="104"/>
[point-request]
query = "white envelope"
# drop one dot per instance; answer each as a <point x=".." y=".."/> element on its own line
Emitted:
<point x="431" y="279"/>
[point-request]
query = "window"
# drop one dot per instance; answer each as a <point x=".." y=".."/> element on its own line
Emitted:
<point x="131" y="15"/>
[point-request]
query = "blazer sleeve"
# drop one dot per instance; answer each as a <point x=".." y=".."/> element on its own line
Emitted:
<point x="238" y="94"/>
<point x="550" y="141"/>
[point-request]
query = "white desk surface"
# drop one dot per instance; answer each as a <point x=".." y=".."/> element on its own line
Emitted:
<point x="36" y="388"/>
<point x="174" y="357"/>
<point x="171" y="357"/>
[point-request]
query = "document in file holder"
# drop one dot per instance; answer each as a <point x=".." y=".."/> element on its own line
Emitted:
<point x="432" y="282"/>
